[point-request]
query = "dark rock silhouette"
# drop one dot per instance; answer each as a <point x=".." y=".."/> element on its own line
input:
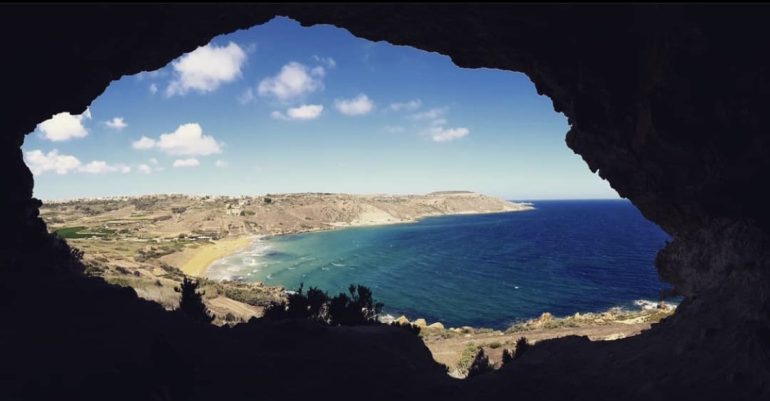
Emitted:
<point x="666" y="102"/>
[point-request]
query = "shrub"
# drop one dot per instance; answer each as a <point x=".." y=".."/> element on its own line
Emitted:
<point x="357" y="308"/>
<point x="480" y="364"/>
<point x="521" y="347"/>
<point x="507" y="356"/>
<point x="191" y="303"/>
<point x="414" y="329"/>
<point x="275" y="311"/>
<point x="495" y="345"/>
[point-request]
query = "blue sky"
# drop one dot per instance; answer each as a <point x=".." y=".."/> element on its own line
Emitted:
<point x="282" y="108"/>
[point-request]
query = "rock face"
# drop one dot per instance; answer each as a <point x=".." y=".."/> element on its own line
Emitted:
<point x="668" y="103"/>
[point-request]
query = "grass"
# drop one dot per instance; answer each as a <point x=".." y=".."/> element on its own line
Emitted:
<point x="83" y="232"/>
<point x="466" y="358"/>
<point x="71" y="232"/>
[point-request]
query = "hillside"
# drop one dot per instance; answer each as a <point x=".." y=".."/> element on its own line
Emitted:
<point x="149" y="242"/>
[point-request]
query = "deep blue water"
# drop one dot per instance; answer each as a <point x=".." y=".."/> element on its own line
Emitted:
<point x="477" y="270"/>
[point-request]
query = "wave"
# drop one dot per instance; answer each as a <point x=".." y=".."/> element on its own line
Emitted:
<point x="646" y="304"/>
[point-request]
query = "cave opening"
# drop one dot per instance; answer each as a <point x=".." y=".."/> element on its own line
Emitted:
<point x="214" y="165"/>
<point x="665" y="102"/>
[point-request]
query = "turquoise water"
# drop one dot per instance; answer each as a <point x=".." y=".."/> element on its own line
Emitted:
<point x="478" y="270"/>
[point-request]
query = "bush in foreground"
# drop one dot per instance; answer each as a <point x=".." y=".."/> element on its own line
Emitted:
<point x="191" y="303"/>
<point x="356" y="308"/>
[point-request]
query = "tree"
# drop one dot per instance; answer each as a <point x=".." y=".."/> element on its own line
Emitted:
<point x="480" y="364"/>
<point x="191" y="303"/>
<point x="317" y="304"/>
<point x="358" y="308"/>
<point x="507" y="356"/>
<point x="521" y="347"/>
<point x="312" y="305"/>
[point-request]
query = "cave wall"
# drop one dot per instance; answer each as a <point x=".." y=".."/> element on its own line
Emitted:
<point x="665" y="102"/>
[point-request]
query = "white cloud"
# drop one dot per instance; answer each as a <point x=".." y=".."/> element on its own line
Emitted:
<point x="101" y="167"/>
<point x="143" y="143"/>
<point x="359" y="105"/>
<point x="187" y="140"/>
<point x="40" y="162"/>
<point x="64" y="126"/>
<point x="411" y="105"/>
<point x="153" y="88"/>
<point x="205" y="68"/>
<point x="153" y="161"/>
<point x="221" y="163"/>
<point x="143" y="168"/>
<point x="191" y="162"/>
<point x="117" y="123"/>
<point x="294" y="80"/>
<point x="304" y="112"/>
<point x="441" y="134"/>
<point x="246" y="97"/>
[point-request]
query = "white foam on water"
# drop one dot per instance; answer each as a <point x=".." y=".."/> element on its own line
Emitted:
<point x="646" y="304"/>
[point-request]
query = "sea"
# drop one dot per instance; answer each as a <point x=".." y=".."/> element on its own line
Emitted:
<point x="480" y="270"/>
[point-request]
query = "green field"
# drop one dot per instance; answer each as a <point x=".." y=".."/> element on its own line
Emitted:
<point x="82" y="232"/>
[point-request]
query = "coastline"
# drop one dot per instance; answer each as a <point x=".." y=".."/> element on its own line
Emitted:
<point x="342" y="226"/>
<point x="196" y="261"/>
<point x="209" y="254"/>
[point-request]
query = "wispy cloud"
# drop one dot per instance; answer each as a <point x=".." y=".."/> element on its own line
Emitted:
<point x="442" y="134"/>
<point x="411" y="105"/>
<point x="246" y="97"/>
<point x="432" y="114"/>
<point x="191" y="162"/>
<point x="437" y="128"/>
<point x="117" y="123"/>
<point x="304" y="112"/>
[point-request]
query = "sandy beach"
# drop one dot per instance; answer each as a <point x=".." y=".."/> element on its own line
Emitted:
<point x="195" y="261"/>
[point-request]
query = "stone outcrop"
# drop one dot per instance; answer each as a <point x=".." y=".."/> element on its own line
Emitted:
<point x="668" y="103"/>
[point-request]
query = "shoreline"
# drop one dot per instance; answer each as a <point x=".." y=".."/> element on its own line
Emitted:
<point x="195" y="262"/>
<point x="192" y="266"/>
